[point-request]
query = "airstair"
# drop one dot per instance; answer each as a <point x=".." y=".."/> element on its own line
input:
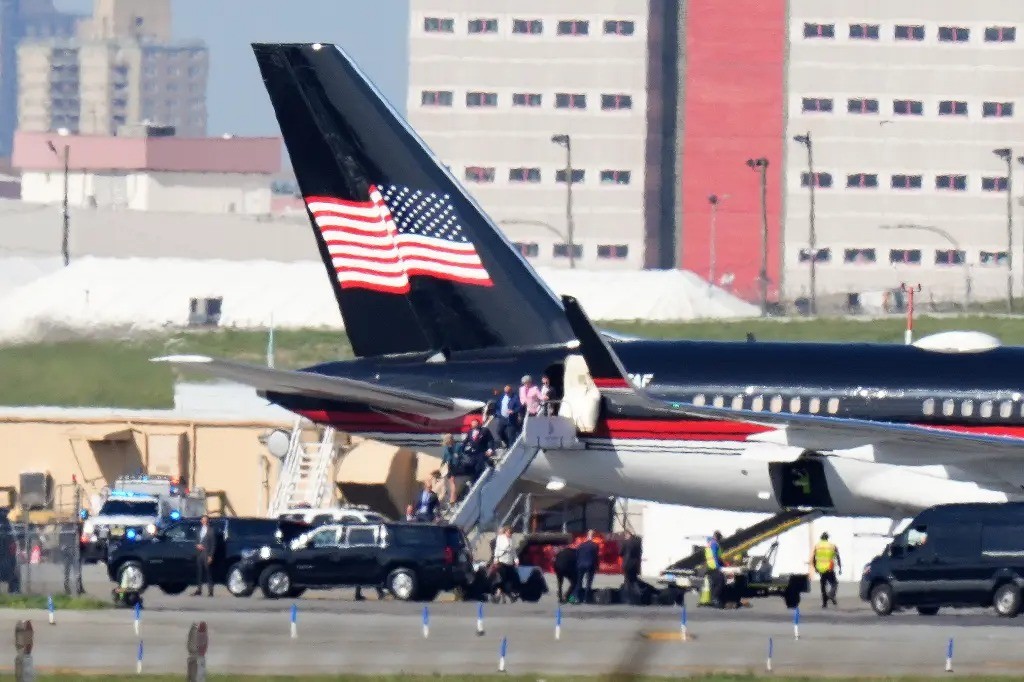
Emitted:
<point x="306" y="470"/>
<point x="478" y="511"/>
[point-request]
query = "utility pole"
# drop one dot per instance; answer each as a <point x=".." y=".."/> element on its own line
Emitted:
<point x="1006" y="154"/>
<point x="66" y="229"/>
<point x="812" y="238"/>
<point x="761" y="165"/>
<point x="564" y="140"/>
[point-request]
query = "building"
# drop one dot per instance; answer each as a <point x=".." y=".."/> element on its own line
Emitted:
<point x="122" y="68"/>
<point x="505" y="96"/>
<point x="145" y="169"/>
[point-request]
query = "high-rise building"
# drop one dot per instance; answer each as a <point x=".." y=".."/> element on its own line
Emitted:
<point x="122" y="69"/>
<point x="534" y="105"/>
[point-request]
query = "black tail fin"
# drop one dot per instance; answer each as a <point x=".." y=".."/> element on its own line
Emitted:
<point x="605" y="367"/>
<point x="415" y="263"/>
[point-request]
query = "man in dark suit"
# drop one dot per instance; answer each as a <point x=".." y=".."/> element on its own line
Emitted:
<point x="508" y="410"/>
<point x="426" y="503"/>
<point x="478" y="446"/>
<point x="631" y="553"/>
<point x="207" y="548"/>
<point x="586" y="566"/>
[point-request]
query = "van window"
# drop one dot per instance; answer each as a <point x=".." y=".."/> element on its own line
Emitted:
<point x="956" y="541"/>
<point x="1002" y="541"/>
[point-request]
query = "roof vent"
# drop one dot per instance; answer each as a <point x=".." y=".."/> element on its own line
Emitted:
<point x="958" y="342"/>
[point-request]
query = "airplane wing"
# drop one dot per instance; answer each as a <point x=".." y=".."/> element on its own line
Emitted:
<point x="892" y="442"/>
<point x="322" y="386"/>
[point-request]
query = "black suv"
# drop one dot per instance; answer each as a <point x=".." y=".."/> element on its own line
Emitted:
<point x="168" y="559"/>
<point x="411" y="560"/>
<point x="9" y="571"/>
<point x="957" y="555"/>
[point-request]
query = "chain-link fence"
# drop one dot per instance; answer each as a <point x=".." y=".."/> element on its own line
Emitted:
<point x="41" y="558"/>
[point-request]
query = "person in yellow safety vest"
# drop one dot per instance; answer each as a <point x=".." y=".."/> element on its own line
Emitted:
<point x="826" y="562"/>
<point x="713" y="559"/>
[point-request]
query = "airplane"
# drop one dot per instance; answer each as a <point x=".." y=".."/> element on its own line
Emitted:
<point x="441" y="310"/>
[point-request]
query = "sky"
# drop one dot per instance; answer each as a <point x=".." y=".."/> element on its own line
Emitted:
<point x="374" y="33"/>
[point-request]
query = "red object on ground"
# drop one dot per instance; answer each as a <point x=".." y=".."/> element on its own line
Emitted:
<point x="542" y="554"/>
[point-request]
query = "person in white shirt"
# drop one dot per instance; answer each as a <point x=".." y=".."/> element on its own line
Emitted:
<point x="505" y="562"/>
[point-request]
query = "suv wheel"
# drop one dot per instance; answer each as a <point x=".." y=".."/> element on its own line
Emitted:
<point x="173" y="588"/>
<point x="131" y="577"/>
<point x="1007" y="600"/>
<point x="237" y="584"/>
<point x="403" y="584"/>
<point x="275" y="582"/>
<point x="882" y="599"/>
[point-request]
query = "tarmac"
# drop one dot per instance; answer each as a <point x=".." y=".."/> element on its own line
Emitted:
<point x="336" y="634"/>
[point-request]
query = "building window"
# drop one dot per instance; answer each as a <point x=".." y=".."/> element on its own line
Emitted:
<point x="819" y="30"/>
<point x="864" y="31"/>
<point x="907" y="107"/>
<point x="483" y="25"/>
<point x="439" y="25"/>
<point x="905" y="256"/>
<point x="949" y="107"/>
<point x="859" y="256"/>
<point x="524" y="175"/>
<point x="616" y="102"/>
<point x="817" y="104"/>
<point x="574" y="27"/>
<point x="862" y="106"/>
<point x="619" y="27"/>
<point x="956" y="183"/>
<point x="526" y="99"/>
<point x="992" y="258"/>
<point x="820" y="180"/>
<point x="949" y="257"/>
<point x="866" y="180"/>
<point x="437" y="98"/>
<point x="906" y="181"/>
<point x="578" y="174"/>
<point x="994" y="184"/>
<point x="954" y="34"/>
<point x="562" y="250"/>
<point x="820" y="255"/>
<point x="909" y="32"/>
<point x="1000" y="34"/>
<point x="528" y="249"/>
<point x="480" y="174"/>
<point x="532" y="27"/>
<point x="997" y="109"/>
<point x="565" y="100"/>
<point x="612" y="251"/>
<point x="615" y="177"/>
<point x="481" y="99"/>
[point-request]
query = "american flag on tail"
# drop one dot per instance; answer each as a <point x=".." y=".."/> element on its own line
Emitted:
<point x="397" y="234"/>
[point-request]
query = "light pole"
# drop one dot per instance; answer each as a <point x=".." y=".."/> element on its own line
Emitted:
<point x="537" y="223"/>
<point x="713" y="199"/>
<point x="66" y="231"/>
<point x="812" y="238"/>
<point x="1006" y="154"/>
<point x="948" y="237"/>
<point x="564" y="140"/>
<point x="761" y="166"/>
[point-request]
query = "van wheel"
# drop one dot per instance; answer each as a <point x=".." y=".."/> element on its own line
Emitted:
<point x="882" y="599"/>
<point x="401" y="582"/>
<point x="927" y="610"/>
<point x="1007" y="600"/>
<point x="275" y="582"/>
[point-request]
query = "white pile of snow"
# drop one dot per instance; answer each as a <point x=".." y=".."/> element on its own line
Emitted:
<point x="146" y="294"/>
<point x="17" y="271"/>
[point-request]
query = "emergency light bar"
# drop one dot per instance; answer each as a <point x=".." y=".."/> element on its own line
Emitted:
<point x="130" y="494"/>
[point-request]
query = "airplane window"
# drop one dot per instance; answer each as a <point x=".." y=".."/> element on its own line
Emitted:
<point x="698" y="399"/>
<point x="833" y="405"/>
<point x="794" y="404"/>
<point x="719" y="401"/>
<point x="737" y="402"/>
<point x="986" y="409"/>
<point x="814" y="405"/>
<point x="967" y="408"/>
<point x="948" y="406"/>
<point x="1005" y="409"/>
<point x="929" y="406"/>
<point x="758" y="404"/>
<point x="776" y="404"/>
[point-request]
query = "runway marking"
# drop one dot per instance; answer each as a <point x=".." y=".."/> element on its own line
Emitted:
<point x="668" y="636"/>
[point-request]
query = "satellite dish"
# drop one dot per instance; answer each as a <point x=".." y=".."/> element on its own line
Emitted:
<point x="277" y="442"/>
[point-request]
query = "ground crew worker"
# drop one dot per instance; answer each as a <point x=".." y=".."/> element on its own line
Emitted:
<point x="826" y="561"/>
<point x="713" y="560"/>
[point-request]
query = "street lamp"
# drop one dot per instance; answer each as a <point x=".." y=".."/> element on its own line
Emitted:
<point x="1006" y="154"/>
<point x="713" y="199"/>
<point x="564" y="140"/>
<point x="948" y="237"/>
<point x="811" y="235"/>
<point x="537" y="223"/>
<point x="761" y="166"/>
<point x="66" y="231"/>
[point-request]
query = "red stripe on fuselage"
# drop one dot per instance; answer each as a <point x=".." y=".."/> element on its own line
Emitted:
<point x="611" y="382"/>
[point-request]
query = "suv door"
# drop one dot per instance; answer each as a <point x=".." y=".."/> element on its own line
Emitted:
<point x="358" y="556"/>
<point x="175" y="559"/>
<point x="315" y="563"/>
